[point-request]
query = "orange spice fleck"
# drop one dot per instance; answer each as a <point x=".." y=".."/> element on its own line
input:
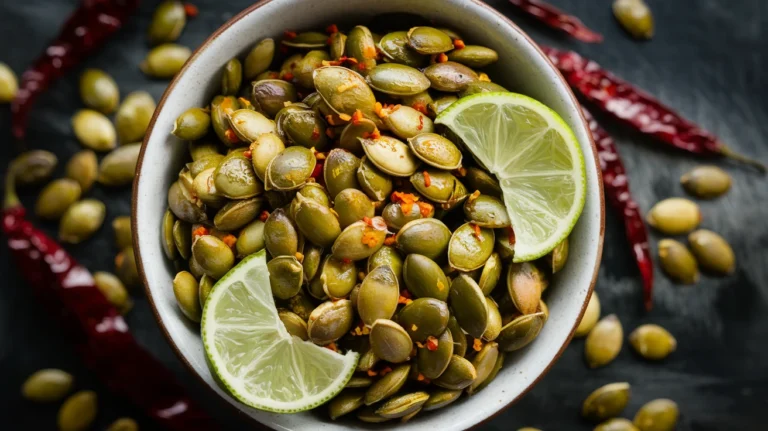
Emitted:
<point x="441" y="58"/>
<point x="477" y="232"/>
<point x="414" y="328"/>
<point x="511" y="235"/>
<point x="356" y="117"/>
<point x="369" y="239"/>
<point x="459" y="44"/>
<point x="369" y="52"/>
<point x="440" y="286"/>
<point x="421" y="122"/>
<point x="372" y="373"/>
<point x="425" y="209"/>
<point x="389" y="240"/>
<point x="482" y="76"/>
<point x="406" y="201"/>
<point x="427" y="179"/>
<point x="229" y="240"/>
<point x="361" y="66"/>
<point x="384" y="371"/>
<point x="432" y="343"/>
<point x="191" y="10"/>
<point x="352" y="60"/>
<point x="367" y="220"/>
<point x="299" y="256"/>
<point x="226" y="105"/>
<point x="245" y="102"/>
<point x="474" y="195"/>
<point x="420" y="106"/>
<point x="331" y="29"/>
<point x="332" y="346"/>
<point x="420" y="377"/>
<point x="345" y="117"/>
<point x="290" y="34"/>
<point x="379" y="110"/>
<point x="477" y="345"/>
<point x="419" y="345"/>
<point x="264" y="215"/>
<point x="376" y="134"/>
<point x="329" y="133"/>
<point x="200" y="231"/>
<point x="346" y="86"/>
<point x="329" y="119"/>
<point x="461" y="172"/>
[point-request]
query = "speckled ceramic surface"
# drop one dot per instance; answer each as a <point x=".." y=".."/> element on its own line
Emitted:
<point x="521" y="68"/>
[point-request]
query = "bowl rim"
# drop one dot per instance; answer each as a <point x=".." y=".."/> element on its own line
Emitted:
<point x="137" y="249"/>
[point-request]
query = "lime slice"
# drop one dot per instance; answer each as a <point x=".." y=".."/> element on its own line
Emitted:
<point x="535" y="157"/>
<point x="253" y="355"/>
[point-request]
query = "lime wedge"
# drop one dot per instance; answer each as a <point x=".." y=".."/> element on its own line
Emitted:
<point x="535" y="157"/>
<point x="253" y="355"/>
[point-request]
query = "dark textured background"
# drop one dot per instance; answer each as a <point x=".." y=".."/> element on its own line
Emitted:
<point x="708" y="59"/>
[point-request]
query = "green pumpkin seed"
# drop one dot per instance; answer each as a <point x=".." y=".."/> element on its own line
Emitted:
<point x="47" y="385"/>
<point x="487" y="211"/>
<point x="94" y="130"/>
<point x="316" y="221"/>
<point x="606" y="402"/>
<point x="125" y="267"/>
<point x="674" y="216"/>
<point x="390" y="155"/>
<point x="395" y="48"/>
<point x="248" y="125"/>
<point x="259" y="58"/>
<point x="56" y="197"/>
<point x="617" y="424"/>
<point x="348" y="140"/>
<point x="484" y="363"/>
<point x="459" y="374"/>
<point x="390" y="342"/>
<point x="406" y="122"/>
<point x="231" y="77"/>
<point x="346" y="402"/>
<point x="424" y="278"/>
<point x="635" y="16"/>
<point x="337" y="278"/>
<point x="169" y="247"/>
<point x="203" y="149"/>
<point x="313" y="60"/>
<point x="369" y="415"/>
<point x="83" y="168"/>
<point x="467" y="251"/>
<point x="237" y="214"/>
<point x="9" y="84"/>
<point x="525" y="283"/>
<point x="311" y="262"/>
<point x="397" y="79"/>
<point x="305" y="128"/>
<point x="429" y="40"/>
<point x="195" y="269"/>
<point x="378" y="295"/>
<point x="265" y="148"/>
<point x="387" y="256"/>
<point x="356" y="95"/>
<point x="428" y="237"/>
<point x="221" y="108"/>
<point x="235" y="178"/>
<point x="285" y="276"/>
<point x="652" y="342"/>
<point x="435" y="150"/>
<point x="706" y="182"/>
<point x="99" y="91"/>
<point x="441" y="184"/>
<point x="376" y="184"/>
<point x="403" y="405"/>
<point x="424" y="317"/>
<point x="184" y="206"/>
<point x="481" y="87"/>
<point x="474" y="56"/>
<point x="361" y="46"/>
<point x="280" y="235"/>
<point x="441" y="104"/>
<point x="205" y="287"/>
<point x="590" y="317"/>
<point x="360" y="240"/>
<point x="490" y="274"/>
<point x="357" y="382"/>
<point x="558" y="256"/>
<point x="290" y="169"/>
<point x="388" y="385"/>
<point x="213" y="255"/>
<point x="192" y="124"/>
<point x="493" y="329"/>
<point x="78" y="411"/>
<point x="604" y="342"/>
<point x="187" y="292"/>
<point x="337" y="45"/>
<point x="204" y="188"/>
<point x="340" y="171"/>
<point x="271" y="95"/>
<point x="395" y="217"/>
<point x="712" y="252"/>
<point x="432" y="363"/>
<point x="123" y="424"/>
<point x="133" y="117"/>
<point x="167" y="23"/>
<point x="164" y="61"/>
<point x="118" y="168"/>
<point x="81" y="220"/>
<point x="307" y="40"/>
<point x="302" y="305"/>
<point x="441" y="398"/>
<point x="330" y="321"/>
<point x="468" y="305"/>
<point x="520" y="332"/>
<point x="450" y="76"/>
<point x="492" y="375"/>
<point x="478" y="179"/>
<point x="251" y="239"/>
<point x="352" y="205"/>
<point x="114" y="290"/>
<point x="678" y="262"/>
<point x="657" y="415"/>
<point x="367" y="361"/>
<point x="459" y="337"/>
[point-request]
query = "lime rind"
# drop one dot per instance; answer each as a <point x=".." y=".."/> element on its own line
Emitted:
<point x="542" y="173"/>
<point x="252" y="354"/>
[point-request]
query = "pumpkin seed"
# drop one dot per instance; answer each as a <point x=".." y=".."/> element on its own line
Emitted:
<point x="369" y="415"/>
<point x="429" y="40"/>
<point x="459" y="374"/>
<point x="285" y="276"/>
<point x="259" y="58"/>
<point x="81" y="220"/>
<point x="520" y="332"/>
<point x="118" y="168"/>
<point x="606" y="402"/>
<point x="47" y="385"/>
<point x="99" y="91"/>
<point x="406" y="122"/>
<point x="337" y="277"/>
<point x="9" y="84"/>
<point x="345" y="402"/>
<point x="94" y="130"/>
<point x="114" y="290"/>
<point x="428" y="237"/>
<point x="435" y="150"/>
<point x="123" y="424"/>
<point x="674" y="216"/>
<point x="231" y="77"/>
<point x="469" y="305"/>
<point x="133" y="117"/>
<point x="712" y="252"/>
<point x="192" y="124"/>
<point x="604" y="342"/>
<point x="390" y="342"/>
<point x="290" y="169"/>
<point x="450" y="76"/>
<point x="360" y="240"/>
<point x="657" y="415"/>
<point x="441" y="398"/>
<point x="490" y="274"/>
<point x="394" y="47"/>
<point x="356" y="95"/>
<point x="424" y="317"/>
<point x="493" y="329"/>
<point x="164" y="61"/>
<point x="635" y="16"/>
<point x="678" y="262"/>
<point x="204" y="288"/>
<point x="213" y="255"/>
<point x="706" y="182"/>
<point x="187" y="292"/>
<point x="295" y="325"/>
<point x="182" y="238"/>
<point x="316" y="221"/>
<point x="403" y="405"/>
<point x="590" y="317"/>
<point x="474" y="56"/>
<point x="359" y="382"/>
<point x="424" y="278"/>
<point x="484" y="363"/>
<point x="617" y="424"/>
<point x="167" y="23"/>
<point x="390" y="155"/>
<point x="388" y="385"/>
<point x="468" y="250"/>
<point x="78" y="411"/>
<point x="652" y="342"/>
<point x="494" y="372"/>
<point x="361" y="46"/>
<point x="125" y="267"/>
<point x="441" y="184"/>
<point x="459" y="337"/>
<point x="56" y="197"/>
<point x="397" y="79"/>
<point x="378" y="295"/>
<point x="330" y="321"/>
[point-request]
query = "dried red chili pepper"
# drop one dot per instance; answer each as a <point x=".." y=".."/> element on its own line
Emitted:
<point x="558" y="19"/>
<point x="84" y="32"/>
<point x="616" y="186"/>
<point x="638" y="109"/>
<point x="98" y="331"/>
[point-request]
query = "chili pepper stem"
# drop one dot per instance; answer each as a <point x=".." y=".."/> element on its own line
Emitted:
<point x="729" y="153"/>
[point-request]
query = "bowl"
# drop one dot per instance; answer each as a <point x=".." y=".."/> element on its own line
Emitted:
<point x="521" y="68"/>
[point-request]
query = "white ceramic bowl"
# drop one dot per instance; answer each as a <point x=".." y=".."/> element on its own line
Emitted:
<point x="521" y="68"/>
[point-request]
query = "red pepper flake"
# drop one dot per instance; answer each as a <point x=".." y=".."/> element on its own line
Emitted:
<point x="421" y="122"/>
<point x="318" y="155"/>
<point x="420" y="106"/>
<point x="299" y="256"/>
<point x="441" y="58"/>
<point x="425" y="209"/>
<point x="264" y="215"/>
<point x="290" y="34"/>
<point x="427" y="179"/>
<point x="200" y="231"/>
<point x="231" y="136"/>
<point x="361" y="66"/>
<point x="356" y="117"/>
<point x="432" y="343"/>
<point x="332" y="346"/>
<point x="511" y="235"/>
<point x="315" y="134"/>
<point x="329" y="133"/>
<point x="376" y="134"/>
<point x="352" y="60"/>
<point x="367" y="220"/>
<point x="420" y="377"/>
<point x="389" y="240"/>
<point x="331" y="29"/>
<point x="384" y="371"/>
<point x="288" y="76"/>
<point x="247" y="154"/>
<point x="346" y="261"/>
<point x="229" y="240"/>
<point x="459" y="44"/>
<point x="473" y="196"/>
<point x="477" y="345"/>
<point x="477" y="232"/>
<point x="372" y="373"/>
<point x="406" y="293"/>
<point x="191" y="10"/>
<point x="406" y="201"/>
<point x="318" y="171"/>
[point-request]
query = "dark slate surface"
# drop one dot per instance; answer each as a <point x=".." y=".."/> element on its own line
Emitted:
<point x="707" y="59"/>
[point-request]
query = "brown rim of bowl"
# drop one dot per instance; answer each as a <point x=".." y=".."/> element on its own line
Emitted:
<point x="150" y="128"/>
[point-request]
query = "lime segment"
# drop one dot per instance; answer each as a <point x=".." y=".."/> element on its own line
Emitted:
<point x="536" y="158"/>
<point x="253" y="355"/>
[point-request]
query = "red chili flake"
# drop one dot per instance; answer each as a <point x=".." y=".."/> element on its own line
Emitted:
<point x="421" y="123"/>
<point x="317" y="172"/>
<point x="425" y="209"/>
<point x="459" y="44"/>
<point x="405" y="293"/>
<point x="315" y="134"/>
<point x="356" y="117"/>
<point x="376" y="134"/>
<point x="288" y="76"/>
<point x="231" y="136"/>
<point x="477" y="232"/>
<point x="191" y="10"/>
<point x="229" y="240"/>
<point x="290" y="34"/>
<point x="371" y="373"/>
<point x="384" y="371"/>
<point x="264" y="215"/>
<point x="200" y="231"/>
<point x="420" y="106"/>
<point x="329" y="133"/>
<point x="328" y="42"/>
<point x="432" y="343"/>
<point x="427" y="179"/>
<point x="389" y="240"/>
<point x="247" y="154"/>
<point x="332" y="346"/>
<point x="441" y="58"/>
<point x="346" y="261"/>
<point x="555" y="18"/>
<point x="361" y="66"/>
<point x="352" y="60"/>
<point x="331" y="29"/>
<point x="367" y="220"/>
<point x="511" y="235"/>
<point x="477" y="345"/>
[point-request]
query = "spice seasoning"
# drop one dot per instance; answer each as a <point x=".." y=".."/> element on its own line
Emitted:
<point x="555" y="18"/>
